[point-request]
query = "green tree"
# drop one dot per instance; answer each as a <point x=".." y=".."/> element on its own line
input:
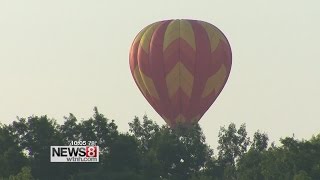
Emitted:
<point x="99" y="129"/>
<point x="260" y="141"/>
<point x="70" y="130"/>
<point x="124" y="159"/>
<point x="304" y="155"/>
<point x="24" y="174"/>
<point x="213" y="169"/>
<point x="149" y="151"/>
<point x="36" y="135"/>
<point x="233" y="143"/>
<point x="249" y="165"/>
<point x="170" y="153"/>
<point x="277" y="163"/>
<point x="302" y="175"/>
<point x="11" y="157"/>
<point x="144" y="131"/>
<point x="180" y="152"/>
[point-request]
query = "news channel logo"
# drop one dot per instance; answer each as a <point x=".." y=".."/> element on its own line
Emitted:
<point x="76" y="152"/>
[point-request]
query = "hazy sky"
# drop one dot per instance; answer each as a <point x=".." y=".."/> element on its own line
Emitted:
<point x="64" y="56"/>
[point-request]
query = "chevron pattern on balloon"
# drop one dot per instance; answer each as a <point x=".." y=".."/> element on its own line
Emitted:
<point x="180" y="66"/>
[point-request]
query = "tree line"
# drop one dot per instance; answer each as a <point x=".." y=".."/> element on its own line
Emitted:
<point x="152" y="152"/>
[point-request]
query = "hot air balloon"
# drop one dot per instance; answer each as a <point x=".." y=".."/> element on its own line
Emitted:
<point x="180" y="66"/>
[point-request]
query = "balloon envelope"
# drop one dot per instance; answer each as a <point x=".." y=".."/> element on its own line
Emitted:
<point x="180" y="66"/>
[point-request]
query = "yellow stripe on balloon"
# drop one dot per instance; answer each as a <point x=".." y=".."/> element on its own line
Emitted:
<point x="167" y="120"/>
<point x="186" y="33"/>
<point x="179" y="29"/>
<point x="148" y="82"/>
<point x="212" y="33"/>
<point x="180" y="119"/>
<point x="172" y="33"/>
<point x="215" y="82"/>
<point x="140" y="34"/>
<point x="195" y="118"/>
<point x="147" y="35"/>
<point x="186" y="80"/>
<point x="220" y="34"/>
<point x="179" y="77"/>
<point x="137" y="77"/>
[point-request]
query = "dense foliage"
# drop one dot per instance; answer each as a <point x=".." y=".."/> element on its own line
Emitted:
<point x="151" y="152"/>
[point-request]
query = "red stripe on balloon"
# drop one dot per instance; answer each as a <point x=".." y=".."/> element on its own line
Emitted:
<point x="223" y="51"/>
<point x="218" y="57"/>
<point x="144" y="61"/>
<point x="179" y="51"/>
<point x="228" y="56"/>
<point x="145" y="67"/>
<point x="133" y="59"/>
<point x="202" y="67"/>
<point x="187" y="55"/>
<point x="181" y="103"/>
<point x="157" y="68"/>
<point x="133" y="55"/>
<point x="171" y="56"/>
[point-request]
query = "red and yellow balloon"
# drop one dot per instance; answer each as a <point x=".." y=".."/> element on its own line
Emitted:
<point x="180" y="66"/>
